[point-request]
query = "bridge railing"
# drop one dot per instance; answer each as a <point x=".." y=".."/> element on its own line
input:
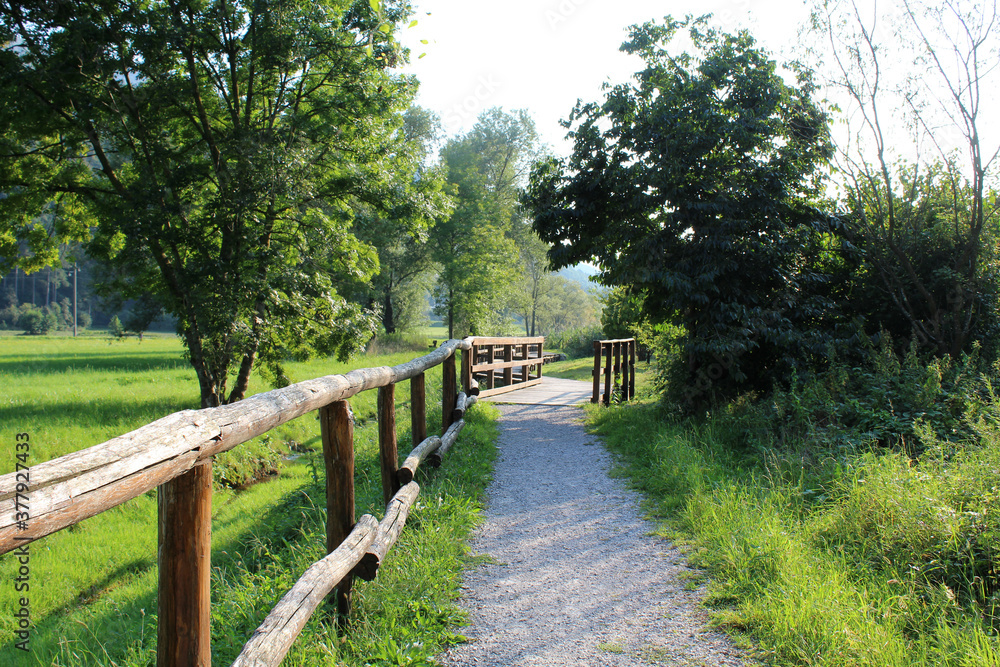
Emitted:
<point x="617" y="369"/>
<point x="174" y="454"/>
<point x="498" y="365"/>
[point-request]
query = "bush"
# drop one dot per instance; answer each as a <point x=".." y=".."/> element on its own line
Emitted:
<point x="576" y="343"/>
<point x="35" y="321"/>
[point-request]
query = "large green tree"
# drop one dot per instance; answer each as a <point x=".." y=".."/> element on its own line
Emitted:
<point x="694" y="186"/>
<point x="212" y="152"/>
<point x="475" y="248"/>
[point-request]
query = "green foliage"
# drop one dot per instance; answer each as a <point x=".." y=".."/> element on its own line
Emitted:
<point x="36" y="321"/>
<point x="576" y="343"/>
<point x="213" y="158"/>
<point x="694" y="186"/>
<point x="876" y="559"/>
<point x="475" y="247"/>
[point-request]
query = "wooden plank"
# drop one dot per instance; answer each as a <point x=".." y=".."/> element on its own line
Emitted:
<point x="387" y="446"/>
<point x="389" y="529"/>
<point x="270" y="642"/>
<point x="184" y="559"/>
<point x="548" y="391"/>
<point x="513" y="387"/>
<point x="497" y="365"/>
<point x="500" y="340"/>
<point x="408" y="470"/>
<point x="418" y="408"/>
<point x="337" y="432"/>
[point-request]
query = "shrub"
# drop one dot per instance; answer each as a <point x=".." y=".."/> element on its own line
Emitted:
<point x="35" y="321"/>
<point x="576" y="343"/>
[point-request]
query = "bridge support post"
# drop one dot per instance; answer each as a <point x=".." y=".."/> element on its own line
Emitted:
<point x="336" y="425"/>
<point x="184" y="556"/>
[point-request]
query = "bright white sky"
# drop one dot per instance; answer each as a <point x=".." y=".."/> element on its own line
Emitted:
<point x="542" y="55"/>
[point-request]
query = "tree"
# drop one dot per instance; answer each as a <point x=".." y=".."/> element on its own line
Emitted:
<point x="924" y="223"/>
<point x="213" y="154"/>
<point x="535" y="273"/>
<point x="694" y="186"/>
<point x="478" y="258"/>
<point x="405" y="253"/>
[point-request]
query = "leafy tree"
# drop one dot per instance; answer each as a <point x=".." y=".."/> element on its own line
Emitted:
<point x="694" y="186"/>
<point x="212" y="153"/>
<point x="405" y="253"/>
<point x="478" y="257"/>
<point x="535" y="274"/>
<point x="925" y="223"/>
<point x="565" y="305"/>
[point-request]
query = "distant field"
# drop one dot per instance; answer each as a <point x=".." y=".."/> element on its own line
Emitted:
<point x="93" y="594"/>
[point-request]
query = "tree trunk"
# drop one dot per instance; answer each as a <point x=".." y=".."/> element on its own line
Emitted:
<point x="388" y="319"/>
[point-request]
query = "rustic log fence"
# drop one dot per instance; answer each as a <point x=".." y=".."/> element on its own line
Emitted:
<point x="618" y="369"/>
<point x="174" y="454"/>
<point x="503" y="364"/>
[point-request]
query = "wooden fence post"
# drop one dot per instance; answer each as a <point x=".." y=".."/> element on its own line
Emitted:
<point x="337" y="431"/>
<point x="596" y="396"/>
<point x="619" y="376"/>
<point x="526" y="369"/>
<point x="387" y="447"/>
<point x="418" y="408"/>
<point x="184" y="632"/>
<point x="631" y="370"/>
<point x="607" y="377"/>
<point x="468" y="359"/>
<point x="541" y="357"/>
<point x="508" y="373"/>
<point x="449" y="390"/>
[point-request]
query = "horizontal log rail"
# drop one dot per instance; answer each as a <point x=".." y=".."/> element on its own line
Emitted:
<point x="175" y="454"/>
<point x="490" y="355"/>
<point x="618" y="370"/>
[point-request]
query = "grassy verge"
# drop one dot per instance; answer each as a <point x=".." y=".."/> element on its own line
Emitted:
<point x="93" y="586"/>
<point x="871" y="558"/>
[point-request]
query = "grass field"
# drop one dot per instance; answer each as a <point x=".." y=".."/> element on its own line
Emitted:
<point x="93" y="586"/>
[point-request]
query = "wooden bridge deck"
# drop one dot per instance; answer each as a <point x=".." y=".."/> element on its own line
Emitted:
<point x="551" y="391"/>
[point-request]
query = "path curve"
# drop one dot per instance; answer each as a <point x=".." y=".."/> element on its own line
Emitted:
<point x="574" y="577"/>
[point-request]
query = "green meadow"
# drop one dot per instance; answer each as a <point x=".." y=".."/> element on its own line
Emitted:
<point x="93" y="586"/>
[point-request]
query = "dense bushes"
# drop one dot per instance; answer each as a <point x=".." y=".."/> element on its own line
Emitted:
<point x="576" y="343"/>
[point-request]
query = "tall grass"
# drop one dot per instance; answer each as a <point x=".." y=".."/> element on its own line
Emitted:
<point x="93" y="595"/>
<point x="887" y="561"/>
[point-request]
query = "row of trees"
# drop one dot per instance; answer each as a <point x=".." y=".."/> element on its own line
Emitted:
<point x="257" y="172"/>
<point x="714" y="196"/>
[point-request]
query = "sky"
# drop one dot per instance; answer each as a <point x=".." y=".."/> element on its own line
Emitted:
<point x="543" y="55"/>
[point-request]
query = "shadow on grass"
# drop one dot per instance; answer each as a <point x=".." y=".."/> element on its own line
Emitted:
<point x="115" y="360"/>
<point x="99" y="413"/>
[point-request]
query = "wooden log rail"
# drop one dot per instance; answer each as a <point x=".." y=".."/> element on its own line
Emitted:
<point x="495" y="360"/>
<point x="174" y="454"/>
<point x="618" y="369"/>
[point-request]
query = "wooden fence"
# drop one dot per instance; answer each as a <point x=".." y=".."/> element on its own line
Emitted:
<point x="503" y="364"/>
<point x="618" y="369"/>
<point x="175" y="454"/>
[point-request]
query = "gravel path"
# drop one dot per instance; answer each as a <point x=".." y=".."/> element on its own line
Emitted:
<point x="573" y="576"/>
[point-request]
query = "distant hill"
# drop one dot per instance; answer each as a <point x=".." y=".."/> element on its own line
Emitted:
<point x="581" y="274"/>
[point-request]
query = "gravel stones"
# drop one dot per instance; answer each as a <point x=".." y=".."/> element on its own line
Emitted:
<point x="571" y="574"/>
